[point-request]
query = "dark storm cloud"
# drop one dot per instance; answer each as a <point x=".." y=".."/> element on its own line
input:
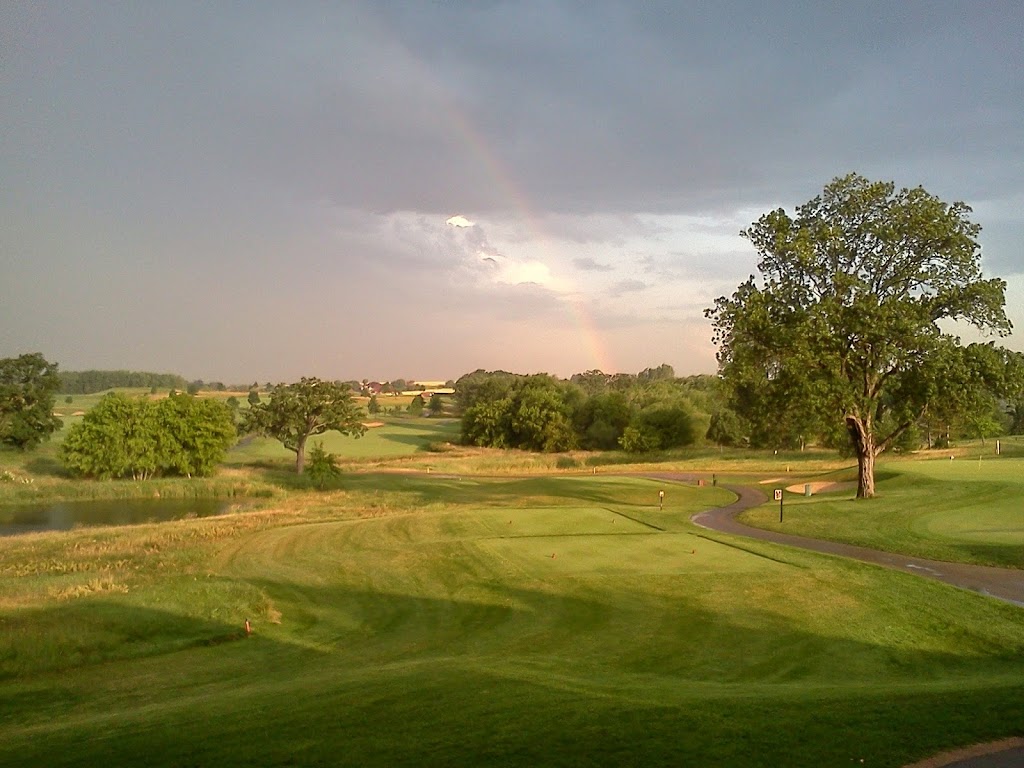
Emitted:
<point x="200" y="167"/>
<point x="582" y="108"/>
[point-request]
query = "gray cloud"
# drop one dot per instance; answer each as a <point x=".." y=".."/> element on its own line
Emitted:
<point x="588" y="264"/>
<point x="627" y="286"/>
<point x="200" y="171"/>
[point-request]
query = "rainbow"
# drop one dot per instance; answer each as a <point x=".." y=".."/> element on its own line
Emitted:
<point x="504" y="180"/>
<point x="502" y="177"/>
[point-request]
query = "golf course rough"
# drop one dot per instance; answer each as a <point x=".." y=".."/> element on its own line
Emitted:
<point x="536" y="621"/>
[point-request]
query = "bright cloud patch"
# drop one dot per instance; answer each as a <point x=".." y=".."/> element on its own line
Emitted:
<point x="459" y="221"/>
<point x="516" y="273"/>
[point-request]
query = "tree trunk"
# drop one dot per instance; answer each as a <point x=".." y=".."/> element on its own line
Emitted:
<point x="300" y="455"/>
<point x="864" y="443"/>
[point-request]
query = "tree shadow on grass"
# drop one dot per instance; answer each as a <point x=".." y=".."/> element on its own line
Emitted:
<point x="88" y="630"/>
<point x="419" y="435"/>
<point x="46" y="466"/>
<point x="1000" y="555"/>
<point x="535" y="491"/>
<point x="532" y="678"/>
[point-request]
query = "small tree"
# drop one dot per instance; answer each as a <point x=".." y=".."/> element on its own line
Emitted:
<point x="416" y="406"/>
<point x="436" y="405"/>
<point x="373" y="407"/>
<point x="321" y="468"/>
<point x="301" y="410"/>
<point x="254" y="396"/>
<point x="27" y="387"/>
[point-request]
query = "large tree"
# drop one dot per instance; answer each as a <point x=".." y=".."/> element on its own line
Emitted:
<point x="843" y="323"/>
<point x="301" y="410"/>
<point x="27" y="387"/>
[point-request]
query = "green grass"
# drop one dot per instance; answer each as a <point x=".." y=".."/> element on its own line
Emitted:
<point x="398" y="437"/>
<point x="965" y="510"/>
<point x="422" y="620"/>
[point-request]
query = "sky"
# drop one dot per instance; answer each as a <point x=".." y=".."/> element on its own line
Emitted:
<point x="258" y="191"/>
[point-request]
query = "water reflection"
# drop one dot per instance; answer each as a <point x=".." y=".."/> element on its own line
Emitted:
<point x="65" y="515"/>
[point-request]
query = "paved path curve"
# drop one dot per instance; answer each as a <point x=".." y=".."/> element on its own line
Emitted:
<point x="1001" y="583"/>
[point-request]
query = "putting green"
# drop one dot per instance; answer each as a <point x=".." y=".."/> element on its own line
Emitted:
<point x="963" y="510"/>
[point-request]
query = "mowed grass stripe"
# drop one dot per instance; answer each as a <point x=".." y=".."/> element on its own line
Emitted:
<point x="430" y="636"/>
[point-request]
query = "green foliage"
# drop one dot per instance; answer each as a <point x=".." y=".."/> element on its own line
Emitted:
<point x="481" y="386"/>
<point x="663" y="372"/>
<point x="534" y="414"/>
<point x="254" y="396"/>
<point x="301" y="410"/>
<point x="27" y="386"/>
<point x="139" y="438"/>
<point x="726" y="428"/>
<point x="88" y="382"/>
<point x="321" y="468"/>
<point x="436" y="405"/>
<point x="602" y="420"/>
<point x="488" y="423"/>
<point x="543" y="413"/>
<point x="416" y="406"/>
<point x="194" y="387"/>
<point x="373" y="407"/>
<point x="842" y="327"/>
<point x="639" y="439"/>
<point x="194" y="434"/>
<point x="671" y="425"/>
<point x="592" y="382"/>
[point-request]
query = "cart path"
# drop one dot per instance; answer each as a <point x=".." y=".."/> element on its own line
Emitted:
<point x="1001" y="583"/>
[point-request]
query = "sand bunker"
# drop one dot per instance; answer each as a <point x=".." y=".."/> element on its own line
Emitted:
<point x="822" y="487"/>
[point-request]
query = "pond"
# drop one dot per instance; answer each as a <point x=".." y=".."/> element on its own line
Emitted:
<point x="65" y="515"/>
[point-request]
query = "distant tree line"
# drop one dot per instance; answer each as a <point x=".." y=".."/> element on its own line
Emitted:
<point x="655" y="410"/>
<point x="88" y="382"/>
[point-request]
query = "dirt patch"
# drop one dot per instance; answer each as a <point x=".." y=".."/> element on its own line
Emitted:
<point x="955" y="756"/>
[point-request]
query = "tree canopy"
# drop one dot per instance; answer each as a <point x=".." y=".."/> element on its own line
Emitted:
<point x="647" y="412"/>
<point x="142" y="438"/>
<point x="27" y="387"/>
<point x="296" y="412"/>
<point x="843" y="324"/>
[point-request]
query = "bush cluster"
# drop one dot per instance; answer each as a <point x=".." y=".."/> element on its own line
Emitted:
<point x="141" y="438"/>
